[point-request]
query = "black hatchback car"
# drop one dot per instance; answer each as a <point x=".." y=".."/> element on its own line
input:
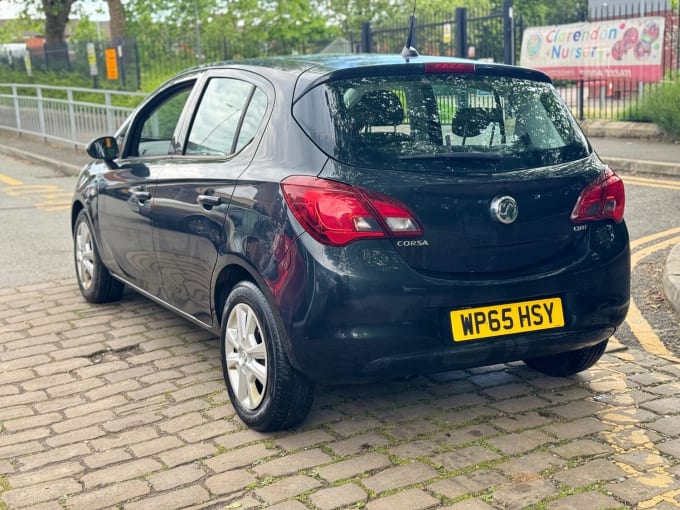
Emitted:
<point x="355" y="218"/>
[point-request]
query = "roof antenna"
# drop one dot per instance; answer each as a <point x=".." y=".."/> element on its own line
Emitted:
<point x="409" y="51"/>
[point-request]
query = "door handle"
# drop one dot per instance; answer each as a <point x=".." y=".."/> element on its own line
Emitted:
<point x="209" y="200"/>
<point x="141" y="195"/>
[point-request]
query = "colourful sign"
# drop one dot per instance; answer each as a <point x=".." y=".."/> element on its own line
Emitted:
<point x="111" y="61"/>
<point x="629" y="49"/>
<point x="92" y="59"/>
<point x="446" y="36"/>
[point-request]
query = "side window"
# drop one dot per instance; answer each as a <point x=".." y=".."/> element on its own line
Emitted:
<point x="217" y="118"/>
<point x="159" y="125"/>
<point x="252" y="119"/>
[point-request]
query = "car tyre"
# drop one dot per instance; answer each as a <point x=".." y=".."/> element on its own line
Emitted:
<point x="266" y="391"/>
<point x="94" y="279"/>
<point x="568" y="363"/>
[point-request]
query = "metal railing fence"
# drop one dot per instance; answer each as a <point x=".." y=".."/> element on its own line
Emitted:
<point x="144" y="61"/>
<point x="483" y="35"/>
<point x="58" y="113"/>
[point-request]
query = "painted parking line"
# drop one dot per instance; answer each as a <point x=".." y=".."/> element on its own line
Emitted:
<point x="52" y="198"/>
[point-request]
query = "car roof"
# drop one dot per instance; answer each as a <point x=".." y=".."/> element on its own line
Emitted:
<point x="320" y="65"/>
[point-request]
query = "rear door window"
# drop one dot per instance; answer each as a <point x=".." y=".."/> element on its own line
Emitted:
<point x="228" y="116"/>
<point x="441" y="122"/>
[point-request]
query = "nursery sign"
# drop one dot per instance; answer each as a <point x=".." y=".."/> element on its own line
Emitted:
<point x="615" y="49"/>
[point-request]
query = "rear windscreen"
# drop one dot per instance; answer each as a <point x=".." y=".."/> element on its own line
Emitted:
<point x="441" y="122"/>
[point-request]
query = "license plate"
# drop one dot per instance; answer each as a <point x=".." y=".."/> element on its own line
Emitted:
<point x="506" y="319"/>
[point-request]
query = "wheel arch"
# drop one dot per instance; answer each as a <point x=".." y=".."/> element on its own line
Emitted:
<point x="75" y="211"/>
<point x="237" y="270"/>
<point x="231" y="274"/>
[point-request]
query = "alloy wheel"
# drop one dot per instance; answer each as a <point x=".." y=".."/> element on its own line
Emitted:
<point x="246" y="356"/>
<point x="85" y="263"/>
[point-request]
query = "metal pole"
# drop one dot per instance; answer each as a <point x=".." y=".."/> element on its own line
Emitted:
<point x="17" y="109"/>
<point x="71" y="115"/>
<point x="461" y="32"/>
<point x="137" y="66"/>
<point x="41" y="114"/>
<point x="109" y="113"/>
<point x="366" y="37"/>
<point x="508" y="33"/>
<point x="198" y="32"/>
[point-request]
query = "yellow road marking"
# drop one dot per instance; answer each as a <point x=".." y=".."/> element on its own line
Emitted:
<point x="647" y="180"/>
<point x="625" y="430"/>
<point x="10" y="181"/>
<point x="653" y="237"/>
<point x="29" y="189"/>
<point x="637" y="323"/>
<point x="614" y="344"/>
<point x="53" y="197"/>
<point x="662" y="186"/>
<point x="675" y="182"/>
<point x="668" y="497"/>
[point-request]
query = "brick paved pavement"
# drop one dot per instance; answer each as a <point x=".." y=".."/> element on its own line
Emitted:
<point x="124" y="406"/>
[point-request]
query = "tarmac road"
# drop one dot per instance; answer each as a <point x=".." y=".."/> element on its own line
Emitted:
<point x="34" y="207"/>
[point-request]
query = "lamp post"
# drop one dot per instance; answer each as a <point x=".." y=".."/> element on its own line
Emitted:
<point x="198" y="32"/>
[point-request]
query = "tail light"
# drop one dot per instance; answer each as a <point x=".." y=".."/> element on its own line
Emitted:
<point x="337" y="214"/>
<point x="604" y="198"/>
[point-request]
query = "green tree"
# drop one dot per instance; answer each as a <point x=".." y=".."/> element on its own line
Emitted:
<point x="539" y="12"/>
<point x="84" y="30"/>
<point x="247" y="27"/>
<point x="13" y="30"/>
<point x="58" y="12"/>
<point x="117" y="17"/>
<point x="56" y="17"/>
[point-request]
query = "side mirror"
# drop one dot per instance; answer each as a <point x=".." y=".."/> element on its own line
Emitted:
<point x="105" y="148"/>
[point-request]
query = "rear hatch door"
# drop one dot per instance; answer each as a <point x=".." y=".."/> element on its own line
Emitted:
<point x="490" y="163"/>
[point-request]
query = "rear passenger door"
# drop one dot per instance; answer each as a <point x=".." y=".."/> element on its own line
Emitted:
<point x="192" y="198"/>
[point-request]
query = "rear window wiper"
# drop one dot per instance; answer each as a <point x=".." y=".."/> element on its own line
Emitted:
<point x="483" y="156"/>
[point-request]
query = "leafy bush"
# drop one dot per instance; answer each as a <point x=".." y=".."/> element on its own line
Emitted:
<point x="662" y="105"/>
<point x="62" y="79"/>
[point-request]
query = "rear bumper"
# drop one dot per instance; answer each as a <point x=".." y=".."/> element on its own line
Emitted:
<point x="362" y="314"/>
<point x="479" y="353"/>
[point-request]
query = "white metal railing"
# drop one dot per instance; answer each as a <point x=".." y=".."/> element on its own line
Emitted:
<point x="25" y="108"/>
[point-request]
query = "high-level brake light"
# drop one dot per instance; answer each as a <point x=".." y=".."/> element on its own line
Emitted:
<point x="449" y="67"/>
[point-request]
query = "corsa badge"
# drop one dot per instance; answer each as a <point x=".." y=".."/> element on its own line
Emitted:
<point x="504" y="209"/>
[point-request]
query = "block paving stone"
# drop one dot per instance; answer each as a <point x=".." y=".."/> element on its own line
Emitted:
<point x="591" y="472"/>
<point x="123" y="406"/>
<point x="338" y="497"/>
<point x="413" y="499"/>
<point x="590" y="500"/>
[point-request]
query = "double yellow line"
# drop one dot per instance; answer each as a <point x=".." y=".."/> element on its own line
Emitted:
<point x="652" y="183"/>
<point x="640" y="249"/>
